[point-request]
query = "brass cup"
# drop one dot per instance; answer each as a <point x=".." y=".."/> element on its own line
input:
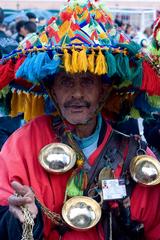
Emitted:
<point x="145" y="170"/>
<point x="81" y="213"/>
<point x="57" y="158"/>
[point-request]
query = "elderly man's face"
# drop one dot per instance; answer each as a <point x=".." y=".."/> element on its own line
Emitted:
<point x="78" y="96"/>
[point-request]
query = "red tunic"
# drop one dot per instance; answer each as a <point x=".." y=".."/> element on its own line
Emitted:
<point x="19" y="161"/>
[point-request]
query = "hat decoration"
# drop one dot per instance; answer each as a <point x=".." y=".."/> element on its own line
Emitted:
<point x="82" y="38"/>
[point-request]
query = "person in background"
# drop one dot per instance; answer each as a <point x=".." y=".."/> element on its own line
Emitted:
<point x="29" y="27"/>
<point x="7" y="44"/>
<point x="129" y="31"/>
<point x="31" y="17"/>
<point x="21" y="32"/>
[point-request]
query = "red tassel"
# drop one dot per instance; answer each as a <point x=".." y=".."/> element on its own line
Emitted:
<point x="6" y="73"/>
<point x="19" y="63"/>
<point x="151" y="80"/>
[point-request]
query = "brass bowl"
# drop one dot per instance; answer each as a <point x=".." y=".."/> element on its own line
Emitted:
<point x="57" y="158"/>
<point x="145" y="170"/>
<point x="81" y="213"/>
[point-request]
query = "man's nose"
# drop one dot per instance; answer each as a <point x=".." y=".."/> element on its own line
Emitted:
<point x="77" y="91"/>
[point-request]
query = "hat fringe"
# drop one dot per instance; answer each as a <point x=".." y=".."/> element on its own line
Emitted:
<point x="28" y="103"/>
<point x="74" y="61"/>
<point x="91" y="61"/>
<point x="82" y="60"/>
<point x="67" y="61"/>
<point x="101" y="65"/>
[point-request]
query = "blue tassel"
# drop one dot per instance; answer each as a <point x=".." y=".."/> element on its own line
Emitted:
<point x="40" y="61"/>
<point x="22" y="73"/>
<point x="51" y="67"/>
<point x="31" y="73"/>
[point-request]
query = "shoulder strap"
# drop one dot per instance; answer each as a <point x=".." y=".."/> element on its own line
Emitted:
<point x="112" y="154"/>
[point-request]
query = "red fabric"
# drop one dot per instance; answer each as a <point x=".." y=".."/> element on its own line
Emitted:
<point x="19" y="161"/>
<point x="19" y="63"/>
<point x="150" y="80"/>
<point x="6" y="73"/>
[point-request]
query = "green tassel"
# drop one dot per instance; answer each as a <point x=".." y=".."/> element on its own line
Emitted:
<point x="123" y="68"/>
<point x="132" y="47"/>
<point x="154" y="101"/>
<point x="72" y="190"/>
<point x="134" y="113"/>
<point x="137" y="73"/>
<point x="111" y="62"/>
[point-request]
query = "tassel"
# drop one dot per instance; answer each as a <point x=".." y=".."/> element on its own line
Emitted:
<point x="136" y="73"/>
<point x="74" y="60"/>
<point x="91" y="59"/>
<point x="101" y="66"/>
<point x="82" y="60"/>
<point x="111" y="62"/>
<point x="28" y="107"/>
<point x="14" y="104"/>
<point x="77" y="183"/>
<point x="72" y="190"/>
<point x="37" y="106"/>
<point x="6" y="73"/>
<point x="134" y="113"/>
<point x="50" y="67"/>
<point x="123" y="68"/>
<point x="21" y="100"/>
<point x="150" y="80"/>
<point x="154" y="101"/>
<point x="19" y="62"/>
<point x="67" y="61"/>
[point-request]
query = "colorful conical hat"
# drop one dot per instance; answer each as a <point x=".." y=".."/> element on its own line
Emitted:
<point x="82" y="38"/>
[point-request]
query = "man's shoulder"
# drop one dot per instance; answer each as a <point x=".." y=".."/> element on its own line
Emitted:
<point x="38" y="125"/>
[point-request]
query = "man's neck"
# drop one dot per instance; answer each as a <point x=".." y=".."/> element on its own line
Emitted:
<point x="85" y="130"/>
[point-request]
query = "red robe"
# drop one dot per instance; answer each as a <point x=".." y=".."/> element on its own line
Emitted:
<point x="19" y="161"/>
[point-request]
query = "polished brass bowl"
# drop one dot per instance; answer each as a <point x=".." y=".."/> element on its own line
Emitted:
<point x="57" y="158"/>
<point x="81" y="213"/>
<point x="145" y="170"/>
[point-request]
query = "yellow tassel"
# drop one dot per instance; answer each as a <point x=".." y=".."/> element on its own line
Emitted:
<point x="21" y="97"/>
<point x="14" y="104"/>
<point x="67" y="61"/>
<point x="74" y="61"/>
<point x="82" y="60"/>
<point x="37" y="106"/>
<point x="28" y="107"/>
<point x="101" y="66"/>
<point x="91" y="61"/>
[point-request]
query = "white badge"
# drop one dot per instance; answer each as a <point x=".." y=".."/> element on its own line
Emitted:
<point x="113" y="189"/>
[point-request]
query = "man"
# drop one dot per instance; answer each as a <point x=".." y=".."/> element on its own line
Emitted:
<point x="79" y="94"/>
<point x="31" y="17"/>
<point x="20" y="31"/>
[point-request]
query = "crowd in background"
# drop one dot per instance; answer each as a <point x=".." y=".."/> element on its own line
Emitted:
<point x="27" y="23"/>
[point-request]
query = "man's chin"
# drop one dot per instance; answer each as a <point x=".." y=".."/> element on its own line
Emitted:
<point x="78" y="120"/>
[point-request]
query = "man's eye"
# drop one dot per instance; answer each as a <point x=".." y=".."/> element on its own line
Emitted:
<point x="87" y="82"/>
<point x="66" y="83"/>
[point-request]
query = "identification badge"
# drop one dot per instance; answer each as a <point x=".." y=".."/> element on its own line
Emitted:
<point x="113" y="189"/>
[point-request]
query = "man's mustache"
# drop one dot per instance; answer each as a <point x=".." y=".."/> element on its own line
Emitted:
<point x="77" y="103"/>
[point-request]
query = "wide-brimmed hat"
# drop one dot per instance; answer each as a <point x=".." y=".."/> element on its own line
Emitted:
<point x="82" y="38"/>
